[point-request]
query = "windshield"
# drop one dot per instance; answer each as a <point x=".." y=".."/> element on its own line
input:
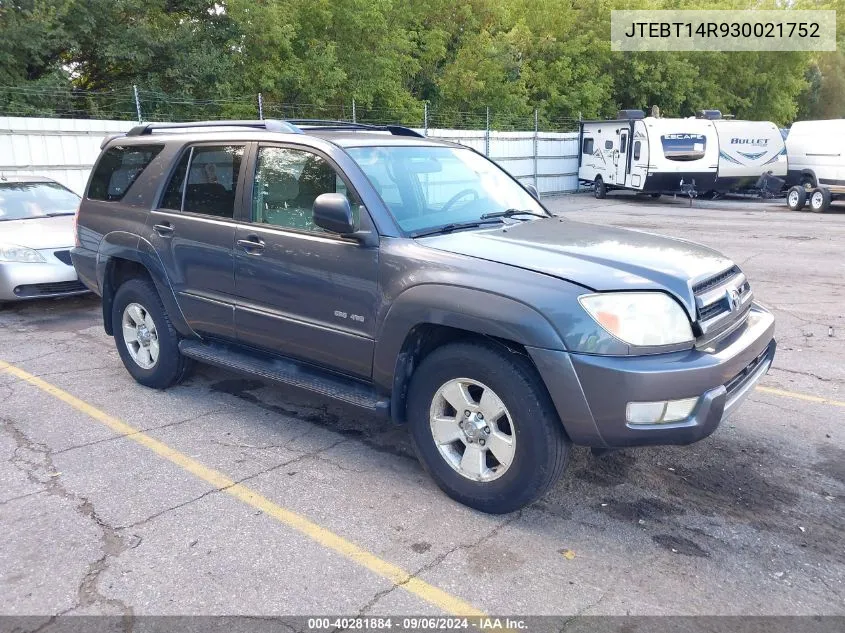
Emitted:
<point x="429" y="187"/>
<point x="28" y="200"/>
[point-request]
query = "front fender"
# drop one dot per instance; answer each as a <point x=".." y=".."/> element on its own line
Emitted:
<point x="477" y="311"/>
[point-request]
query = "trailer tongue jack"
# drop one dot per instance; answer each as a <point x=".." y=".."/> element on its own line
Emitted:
<point x="688" y="189"/>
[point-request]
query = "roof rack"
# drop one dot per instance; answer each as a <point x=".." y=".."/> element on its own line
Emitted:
<point x="324" y="124"/>
<point x="271" y="125"/>
<point x="288" y="126"/>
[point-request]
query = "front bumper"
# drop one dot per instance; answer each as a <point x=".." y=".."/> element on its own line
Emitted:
<point x="591" y="393"/>
<point x="54" y="277"/>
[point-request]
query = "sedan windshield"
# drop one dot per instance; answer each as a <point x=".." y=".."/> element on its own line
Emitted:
<point x="430" y="187"/>
<point x="28" y="200"/>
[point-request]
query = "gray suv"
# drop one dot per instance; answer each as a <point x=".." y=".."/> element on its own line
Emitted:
<point x="416" y="279"/>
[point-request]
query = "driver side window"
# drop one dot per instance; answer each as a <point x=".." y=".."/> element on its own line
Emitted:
<point x="287" y="181"/>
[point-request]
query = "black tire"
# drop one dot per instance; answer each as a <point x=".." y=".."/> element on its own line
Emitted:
<point x="796" y="197"/>
<point x="808" y="182"/>
<point x="170" y="367"/>
<point x="541" y="446"/>
<point x="600" y="189"/>
<point x="820" y="199"/>
<point x="655" y="195"/>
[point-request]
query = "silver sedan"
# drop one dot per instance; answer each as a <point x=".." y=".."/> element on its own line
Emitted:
<point x="36" y="235"/>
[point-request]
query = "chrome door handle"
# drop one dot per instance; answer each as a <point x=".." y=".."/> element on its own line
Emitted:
<point x="164" y="230"/>
<point x="253" y="244"/>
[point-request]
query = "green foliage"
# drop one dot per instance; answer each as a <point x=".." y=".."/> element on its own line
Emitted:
<point x="210" y="58"/>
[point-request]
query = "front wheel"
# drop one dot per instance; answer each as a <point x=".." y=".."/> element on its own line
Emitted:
<point x="485" y="428"/>
<point x="600" y="189"/>
<point x="796" y="197"/>
<point x="146" y="340"/>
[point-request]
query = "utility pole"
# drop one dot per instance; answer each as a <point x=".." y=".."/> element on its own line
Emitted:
<point x="137" y="101"/>
<point x="354" y="113"/>
<point x="425" y="118"/>
<point x="260" y="107"/>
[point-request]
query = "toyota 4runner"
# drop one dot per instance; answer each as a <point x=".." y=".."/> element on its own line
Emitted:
<point x="416" y="279"/>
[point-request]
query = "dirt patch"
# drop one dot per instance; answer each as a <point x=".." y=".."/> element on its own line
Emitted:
<point x="680" y="545"/>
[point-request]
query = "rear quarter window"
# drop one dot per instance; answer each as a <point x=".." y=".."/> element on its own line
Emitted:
<point x="118" y="168"/>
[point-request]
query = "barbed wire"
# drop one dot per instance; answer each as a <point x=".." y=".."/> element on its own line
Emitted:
<point x="155" y="105"/>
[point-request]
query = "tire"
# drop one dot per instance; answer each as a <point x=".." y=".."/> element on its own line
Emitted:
<point x="529" y="425"/>
<point x="168" y="367"/>
<point x="600" y="190"/>
<point x="820" y="199"/>
<point x="655" y="195"/>
<point x="796" y="198"/>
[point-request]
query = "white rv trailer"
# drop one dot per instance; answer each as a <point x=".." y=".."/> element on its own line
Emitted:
<point x="816" y="156"/>
<point x="647" y="154"/>
<point x="747" y="150"/>
<point x="655" y="155"/>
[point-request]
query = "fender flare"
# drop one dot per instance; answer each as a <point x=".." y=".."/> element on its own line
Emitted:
<point x="458" y="307"/>
<point x="811" y="174"/>
<point x="131" y="247"/>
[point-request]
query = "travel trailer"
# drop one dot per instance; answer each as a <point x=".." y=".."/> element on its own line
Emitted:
<point x="747" y="150"/>
<point x="648" y="154"/>
<point x="701" y="154"/>
<point x="816" y="164"/>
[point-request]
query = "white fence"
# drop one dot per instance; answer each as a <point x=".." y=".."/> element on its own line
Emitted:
<point x="65" y="150"/>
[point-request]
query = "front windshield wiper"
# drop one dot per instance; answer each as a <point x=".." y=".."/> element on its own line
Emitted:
<point x="454" y="226"/>
<point x="512" y="212"/>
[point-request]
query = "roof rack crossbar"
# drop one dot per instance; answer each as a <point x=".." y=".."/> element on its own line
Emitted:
<point x="325" y="124"/>
<point x="271" y="125"/>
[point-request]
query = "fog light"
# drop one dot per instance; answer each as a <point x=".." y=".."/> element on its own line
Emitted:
<point x="660" y="412"/>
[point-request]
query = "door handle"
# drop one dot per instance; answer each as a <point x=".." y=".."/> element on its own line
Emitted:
<point x="253" y="244"/>
<point x="165" y="229"/>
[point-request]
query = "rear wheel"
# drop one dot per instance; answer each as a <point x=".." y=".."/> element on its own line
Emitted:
<point x="600" y="190"/>
<point x="796" y="197"/>
<point x="485" y="428"/>
<point x="146" y="340"/>
<point x="820" y="200"/>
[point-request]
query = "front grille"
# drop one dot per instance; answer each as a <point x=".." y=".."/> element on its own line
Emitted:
<point x="712" y="310"/>
<point x="737" y="380"/>
<point x="55" y="288"/>
<point x="64" y="257"/>
<point x="714" y="282"/>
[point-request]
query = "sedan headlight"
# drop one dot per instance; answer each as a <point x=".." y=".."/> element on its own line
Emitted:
<point x="22" y="254"/>
<point x="640" y="318"/>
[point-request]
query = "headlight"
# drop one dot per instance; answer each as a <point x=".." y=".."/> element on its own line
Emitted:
<point x="640" y="318"/>
<point x="13" y="253"/>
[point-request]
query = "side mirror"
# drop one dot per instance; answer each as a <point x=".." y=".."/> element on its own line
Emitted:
<point x="532" y="190"/>
<point x="333" y="213"/>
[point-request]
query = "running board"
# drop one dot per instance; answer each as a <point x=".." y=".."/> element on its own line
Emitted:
<point x="288" y="372"/>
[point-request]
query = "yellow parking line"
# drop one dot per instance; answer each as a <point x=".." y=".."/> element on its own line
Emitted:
<point x="398" y="576"/>
<point x="800" y="396"/>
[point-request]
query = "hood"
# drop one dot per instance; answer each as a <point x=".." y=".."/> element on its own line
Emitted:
<point x="598" y="257"/>
<point x="39" y="233"/>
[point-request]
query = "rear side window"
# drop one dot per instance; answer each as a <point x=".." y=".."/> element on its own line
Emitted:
<point x="608" y="144"/>
<point x="588" y="146"/>
<point x="637" y="146"/>
<point x="205" y="181"/>
<point x="118" y="168"/>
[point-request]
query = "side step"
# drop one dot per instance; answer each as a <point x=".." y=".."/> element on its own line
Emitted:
<point x="288" y="372"/>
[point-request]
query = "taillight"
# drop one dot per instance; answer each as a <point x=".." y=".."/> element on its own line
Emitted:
<point x="76" y="241"/>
